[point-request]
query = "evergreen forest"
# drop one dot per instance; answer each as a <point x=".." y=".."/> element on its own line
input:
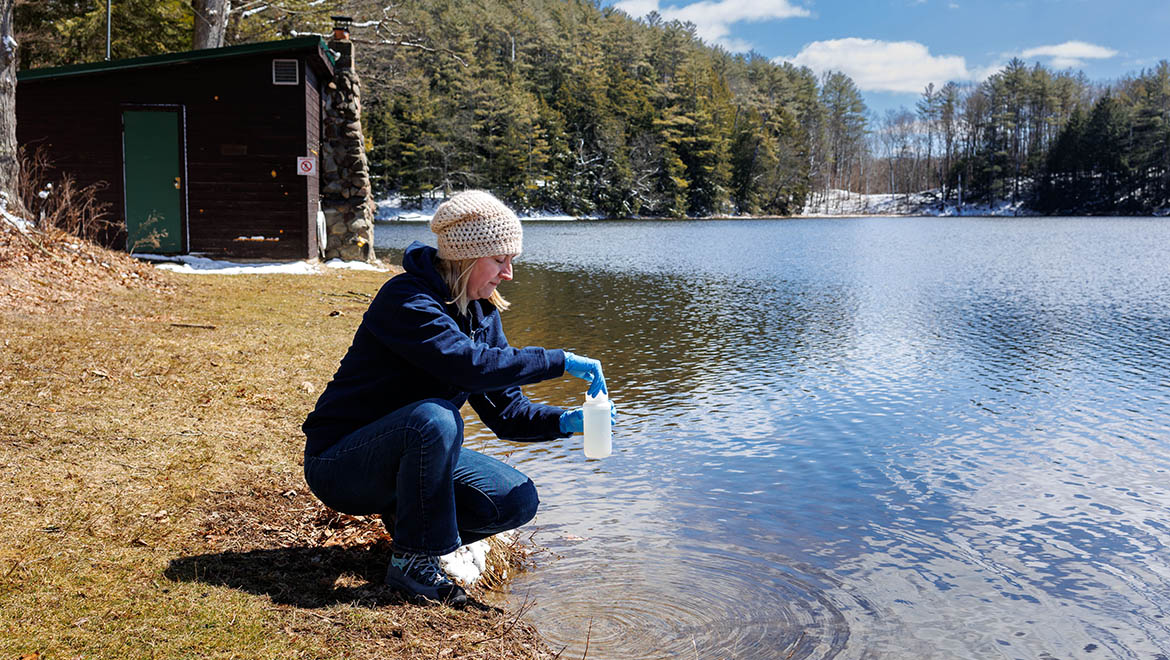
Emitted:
<point x="567" y="106"/>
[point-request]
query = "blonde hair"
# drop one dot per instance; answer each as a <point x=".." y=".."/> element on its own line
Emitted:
<point x="455" y="274"/>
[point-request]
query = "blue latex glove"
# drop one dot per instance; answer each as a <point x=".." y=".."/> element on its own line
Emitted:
<point x="573" y="421"/>
<point x="586" y="369"/>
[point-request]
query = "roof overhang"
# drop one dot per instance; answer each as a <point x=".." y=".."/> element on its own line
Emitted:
<point x="323" y="61"/>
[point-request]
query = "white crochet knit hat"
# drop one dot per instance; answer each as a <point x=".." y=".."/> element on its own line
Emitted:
<point x="475" y="224"/>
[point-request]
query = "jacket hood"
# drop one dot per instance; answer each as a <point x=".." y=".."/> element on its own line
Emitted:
<point x="419" y="260"/>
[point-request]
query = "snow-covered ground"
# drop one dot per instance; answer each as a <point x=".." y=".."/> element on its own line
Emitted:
<point x="190" y="264"/>
<point x="393" y="209"/>
<point x="836" y="203"/>
<point x="16" y="221"/>
<point x="843" y="203"/>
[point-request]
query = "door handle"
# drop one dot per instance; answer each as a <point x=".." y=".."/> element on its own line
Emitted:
<point x="176" y="183"/>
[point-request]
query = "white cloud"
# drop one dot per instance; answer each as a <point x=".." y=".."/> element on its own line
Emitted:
<point x="983" y="73"/>
<point x="883" y="66"/>
<point x="713" y="19"/>
<point x="637" y="8"/>
<point x="1069" y="54"/>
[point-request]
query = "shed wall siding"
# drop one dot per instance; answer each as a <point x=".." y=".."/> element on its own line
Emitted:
<point x="313" y="142"/>
<point x="244" y="135"/>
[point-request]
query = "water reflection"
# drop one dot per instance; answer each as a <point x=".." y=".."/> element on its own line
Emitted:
<point x="870" y="438"/>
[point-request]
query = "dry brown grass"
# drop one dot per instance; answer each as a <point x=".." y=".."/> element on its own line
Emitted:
<point x="152" y="498"/>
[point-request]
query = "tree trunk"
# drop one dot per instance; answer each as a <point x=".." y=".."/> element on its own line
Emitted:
<point x="9" y="165"/>
<point x="210" y="22"/>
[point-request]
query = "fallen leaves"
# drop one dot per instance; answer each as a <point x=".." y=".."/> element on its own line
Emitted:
<point x="62" y="269"/>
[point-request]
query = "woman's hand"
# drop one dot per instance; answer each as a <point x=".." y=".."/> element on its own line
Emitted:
<point x="586" y="369"/>
<point x="573" y="421"/>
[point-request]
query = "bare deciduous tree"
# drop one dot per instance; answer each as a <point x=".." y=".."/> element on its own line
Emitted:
<point x="9" y="164"/>
<point x="210" y="22"/>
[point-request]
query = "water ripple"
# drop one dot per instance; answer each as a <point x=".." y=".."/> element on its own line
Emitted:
<point x="858" y="439"/>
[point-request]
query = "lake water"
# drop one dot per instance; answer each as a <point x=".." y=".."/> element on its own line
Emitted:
<point x="859" y="438"/>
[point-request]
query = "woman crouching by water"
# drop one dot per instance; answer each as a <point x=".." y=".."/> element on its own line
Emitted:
<point x="386" y="435"/>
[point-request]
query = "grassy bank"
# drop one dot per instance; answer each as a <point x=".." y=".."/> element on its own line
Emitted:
<point x="152" y="497"/>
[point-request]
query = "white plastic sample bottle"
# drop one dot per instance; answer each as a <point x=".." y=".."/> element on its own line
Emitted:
<point x="598" y="426"/>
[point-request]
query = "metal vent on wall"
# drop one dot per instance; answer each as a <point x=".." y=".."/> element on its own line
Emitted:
<point x="285" y="72"/>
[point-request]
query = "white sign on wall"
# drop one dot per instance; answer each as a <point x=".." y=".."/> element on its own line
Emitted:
<point x="306" y="165"/>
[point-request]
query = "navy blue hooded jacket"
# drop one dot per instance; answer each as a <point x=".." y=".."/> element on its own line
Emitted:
<point x="411" y="346"/>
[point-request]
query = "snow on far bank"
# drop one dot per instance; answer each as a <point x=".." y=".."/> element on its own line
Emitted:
<point x="392" y="209"/>
<point x="844" y="203"/>
<point x="833" y="204"/>
<point x="193" y="265"/>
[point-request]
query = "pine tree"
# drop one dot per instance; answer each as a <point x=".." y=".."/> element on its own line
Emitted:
<point x="1106" y="146"/>
<point x="1066" y="165"/>
<point x="60" y="32"/>
<point x="753" y="156"/>
<point x="844" y="128"/>
<point x="1151" y="136"/>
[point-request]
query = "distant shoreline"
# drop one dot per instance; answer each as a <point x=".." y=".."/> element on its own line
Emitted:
<point x="836" y="204"/>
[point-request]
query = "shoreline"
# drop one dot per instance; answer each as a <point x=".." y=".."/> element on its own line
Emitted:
<point x="831" y="204"/>
<point x="160" y="502"/>
<point x="805" y="216"/>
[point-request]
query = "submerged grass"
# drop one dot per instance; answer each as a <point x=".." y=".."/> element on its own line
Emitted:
<point x="152" y="497"/>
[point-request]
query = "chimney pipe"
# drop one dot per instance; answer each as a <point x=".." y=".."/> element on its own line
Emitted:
<point x="341" y="25"/>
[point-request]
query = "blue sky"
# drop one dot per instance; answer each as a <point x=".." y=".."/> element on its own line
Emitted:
<point x="893" y="48"/>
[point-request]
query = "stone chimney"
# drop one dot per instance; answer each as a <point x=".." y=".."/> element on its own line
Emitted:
<point x="346" y="198"/>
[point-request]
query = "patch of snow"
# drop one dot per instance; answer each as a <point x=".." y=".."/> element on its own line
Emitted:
<point x="392" y="209"/>
<point x="193" y="265"/>
<point x="925" y="203"/>
<point x="467" y="563"/>
<point x="20" y="223"/>
<point x="353" y="265"/>
<point x="560" y="217"/>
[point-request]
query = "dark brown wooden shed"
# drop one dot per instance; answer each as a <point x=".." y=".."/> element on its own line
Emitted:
<point x="202" y="151"/>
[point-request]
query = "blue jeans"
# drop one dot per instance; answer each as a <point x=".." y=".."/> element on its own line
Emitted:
<point x="432" y="494"/>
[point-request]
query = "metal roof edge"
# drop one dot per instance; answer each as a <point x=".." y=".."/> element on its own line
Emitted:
<point x="296" y="43"/>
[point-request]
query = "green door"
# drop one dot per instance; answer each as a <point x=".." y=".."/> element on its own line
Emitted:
<point x="152" y="169"/>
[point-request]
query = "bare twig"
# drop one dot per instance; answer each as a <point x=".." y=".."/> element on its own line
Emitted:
<point x="524" y="607"/>
<point x="30" y="239"/>
<point x="286" y="610"/>
<point x="194" y="325"/>
<point x="795" y="646"/>
<point x="320" y="616"/>
<point x="588" y="634"/>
